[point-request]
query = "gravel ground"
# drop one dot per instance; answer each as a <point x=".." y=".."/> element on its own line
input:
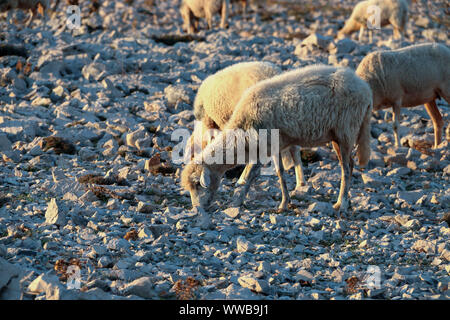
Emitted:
<point x="96" y="211"/>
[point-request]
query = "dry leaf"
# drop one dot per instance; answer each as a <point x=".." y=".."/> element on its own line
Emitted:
<point x="131" y="235"/>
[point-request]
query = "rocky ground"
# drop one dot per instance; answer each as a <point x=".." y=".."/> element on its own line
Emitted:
<point x="101" y="196"/>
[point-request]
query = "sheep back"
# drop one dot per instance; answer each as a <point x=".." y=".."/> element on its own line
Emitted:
<point x="414" y="75"/>
<point x="219" y="93"/>
<point x="310" y="106"/>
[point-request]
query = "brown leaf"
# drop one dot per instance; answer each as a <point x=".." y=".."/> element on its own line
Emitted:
<point x="40" y="9"/>
<point x="352" y="284"/>
<point x="27" y="69"/>
<point x="154" y="161"/>
<point x="185" y="290"/>
<point x="131" y="235"/>
<point x="19" y="66"/>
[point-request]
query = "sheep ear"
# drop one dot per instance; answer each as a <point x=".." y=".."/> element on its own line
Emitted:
<point x="205" y="179"/>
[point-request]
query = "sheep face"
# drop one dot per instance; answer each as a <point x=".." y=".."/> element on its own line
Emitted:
<point x="201" y="183"/>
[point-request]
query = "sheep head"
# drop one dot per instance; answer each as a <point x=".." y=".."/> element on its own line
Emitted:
<point x="201" y="182"/>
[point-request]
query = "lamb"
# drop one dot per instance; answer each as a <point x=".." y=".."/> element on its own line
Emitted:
<point x="217" y="97"/>
<point x="309" y="106"/>
<point x="394" y="12"/>
<point x="409" y="77"/>
<point x="32" y="5"/>
<point x="192" y="10"/>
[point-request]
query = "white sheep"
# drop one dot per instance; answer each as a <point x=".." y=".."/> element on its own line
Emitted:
<point x="192" y="10"/>
<point x="394" y="12"/>
<point x="310" y="107"/>
<point x="409" y="77"/>
<point x="216" y="99"/>
<point x="32" y="5"/>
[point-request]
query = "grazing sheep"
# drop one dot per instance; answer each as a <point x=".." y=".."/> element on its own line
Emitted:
<point x="215" y="102"/>
<point x="409" y="77"/>
<point x="32" y="5"/>
<point x="309" y="106"/>
<point x="192" y="10"/>
<point x="394" y="12"/>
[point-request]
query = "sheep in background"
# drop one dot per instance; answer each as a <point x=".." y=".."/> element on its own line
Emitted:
<point x="192" y="10"/>
<point x="310" y="107"/>
<point x="216" y="99"/>
<point x="409" y="77"/>
<point x="244" y="6"/>
<point x="394" y="12"/>
<point x="32" y="5"/>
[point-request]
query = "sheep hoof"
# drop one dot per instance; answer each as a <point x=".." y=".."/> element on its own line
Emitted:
<point x="282" y="207"/>
<point x="341" y="206"/>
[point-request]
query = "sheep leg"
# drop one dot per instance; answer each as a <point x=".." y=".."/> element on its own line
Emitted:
<point x="397" y="33"/>
<point x="245" y="174"/>
<point x="30" y="19"/>
<point x="241" y="192"/>
<point x="361" y="33"/>
<point x="285" y="199"/>
<point x="223" y="22"/>
<point x="244" y="9"/>
<point x="299" y="175"/>
<point x="396" y="108"/>
<point x="209" y="21"/>
<point x="371" y="36"/>
<point x="9" y="17"/>
<point x="438" y="123"/>
<point x="343" y="154"/>
<point x="190" y="21"/>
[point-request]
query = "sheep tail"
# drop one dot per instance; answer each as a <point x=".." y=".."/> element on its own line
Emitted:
<point x="363" y="142"/>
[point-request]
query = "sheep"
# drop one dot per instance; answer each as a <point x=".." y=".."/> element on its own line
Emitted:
<point x="192" y="10"/>
<point x="32" y="5"/>
<point x="309" y="106"/>
<point x="409" y="77"/>
<point x="394" y="12"/>
<point x="215" y="101"/>
<point x="244" y="6"/>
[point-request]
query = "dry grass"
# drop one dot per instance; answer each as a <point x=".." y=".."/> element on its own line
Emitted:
<point x="131" y="235"/>
<point x="185" y="289"/>
<point x="353" y="285"/>
<point x="97" y="179"/>
<point x="58" y="144"/>
<point x="103" y="194"/>
<point x="155" y="166"/>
